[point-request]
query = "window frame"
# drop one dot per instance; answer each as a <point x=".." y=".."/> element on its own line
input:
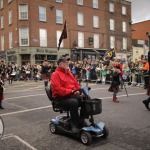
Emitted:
<point x="43" y="40"/>
<point x="2" y="42"/>
<point x="112" y="24"/>
<point x="80" y="2"/>
<point x="124" y="43"/>
<point x="2" y="4"/>
<point x="2" y="22"/>
<point x="58" y="34"/>
<point x="124" y="27"/>
<point x="43" y="14"/>
<point x="112" y="42"/>
<point x="111" y="7"/>
<point x="95" y="21"/>
<point x="96" y="41"/>
<point x="10" y="17"/>
<point x="124" y="10"/>
<point x="58" y="1"/>
<point x="80" y="39"/>
<point x="60" y="19"/>
<point x="20" y="38"/>
<point x="10" y="39"/>
<point x="20" y="18"/>
<point x="80" y="16"/>
<point x="95" y="4"/>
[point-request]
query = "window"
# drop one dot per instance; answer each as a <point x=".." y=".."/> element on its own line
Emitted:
<point x="112" y="24"/>
<point x="80" y="2"/>
<point x="59" y="1"/>
<point x="58" y="37"/>
<point x="95" y="3"/>
<point x="24" y="37"/>
<point x="59" y="16"/>
<point x="80" y="19"/>
<point x="10" y="16"/>
<point x="23" y="11"/>
<point x="80" y="39"/>
<point x="2" y="22"/>
<point x="112" y="42"/>
<point x="111" y="7"/>
<point x="42" y="13"/>
<point x="96" y="41"/>
<point x="9" y="1"/>
<point x="10" y="39"/>
<point x="95" y="22"/>
<point x="124" y="26"/>
<point x="2" y="4"/>
<point x="43" y="37"/>
<point x="2" y="42"/>
<point x="124" y="44"/>
<point x="124" y="11"/>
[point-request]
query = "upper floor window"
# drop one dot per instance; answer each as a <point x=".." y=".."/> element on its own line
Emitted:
<point x="2" y="42"/>
<point x="96" y="40"/>
<point x="124" y="26"/>
<point x="80" y="39"/>
<point x="24" y="37"/>
<point x="111" y="7"/>
<point x="124" y="43"/>
<point x="58" y="37"/>
<point x="112" y="24"/>
<point x="23" y="11"/>
<point x="10" y="39"/>
<point x="80" y="19"/>
<point x="95" y="21"/>
<point x="2" y="4"/>
<point x="2" y="22"/>
<point x="10" y="16"/>
<point x="9" y="1"/>
<point x="80" y="2"/>
<point x="112" y="42"/>
<point x="95" y="3"/>
<point x="59" y="16"/>
<point x="43" y="37"/>
<point x="124" y="11"/>
<point x="42" y="13"/>
<point x="59" y="1"/>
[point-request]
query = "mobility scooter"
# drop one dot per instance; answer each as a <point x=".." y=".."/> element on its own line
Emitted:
<point x="85" y="133"/>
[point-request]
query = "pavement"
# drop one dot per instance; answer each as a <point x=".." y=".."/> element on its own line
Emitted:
<point x="28" y="112"/>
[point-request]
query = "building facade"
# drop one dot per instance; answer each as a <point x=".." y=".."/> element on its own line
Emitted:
<point x="140" y="39"/>
<point x="30" y="29"/>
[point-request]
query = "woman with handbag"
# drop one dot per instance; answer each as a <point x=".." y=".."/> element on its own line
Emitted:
<point x="114" y="87"/>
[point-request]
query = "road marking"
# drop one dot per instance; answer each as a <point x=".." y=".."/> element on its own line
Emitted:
<point x="19" y="139"/>
<point x="23" y="111"/>
<point x="38" y="108"/>
<point x="123" y="95"/>
<point x="24" y="96"/>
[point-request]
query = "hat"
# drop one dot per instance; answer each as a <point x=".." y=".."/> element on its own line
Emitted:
<point x="63" y="58"/>
<point x="117" y="67"/>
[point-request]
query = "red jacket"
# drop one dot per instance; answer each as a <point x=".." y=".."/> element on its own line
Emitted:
<point x="63" y="83"/>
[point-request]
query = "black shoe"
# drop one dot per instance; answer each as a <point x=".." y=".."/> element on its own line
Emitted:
<point x="146" y="104"/>
<point x="1" y="107"/>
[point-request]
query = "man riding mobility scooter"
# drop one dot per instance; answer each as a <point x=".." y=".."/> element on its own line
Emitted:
<point x="85" y="133"/>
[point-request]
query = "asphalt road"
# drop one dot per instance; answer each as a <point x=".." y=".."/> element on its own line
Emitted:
<point x="28" y="112"/>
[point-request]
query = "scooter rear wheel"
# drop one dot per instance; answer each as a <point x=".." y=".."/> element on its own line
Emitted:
<point x="86" y="138"/>
<point x="53" y="128"/>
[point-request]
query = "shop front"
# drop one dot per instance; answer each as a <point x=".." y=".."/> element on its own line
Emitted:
<point x="87" y="54"/>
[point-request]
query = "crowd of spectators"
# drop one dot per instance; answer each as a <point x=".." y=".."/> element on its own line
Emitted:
<point x="97" y="71"/>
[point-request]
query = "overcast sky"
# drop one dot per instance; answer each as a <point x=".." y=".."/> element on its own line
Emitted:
<point x="140" y="10"/>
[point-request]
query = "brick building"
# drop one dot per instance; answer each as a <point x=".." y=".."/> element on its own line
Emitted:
<point x="30" y="29"/>
<point x="140" y="39"/>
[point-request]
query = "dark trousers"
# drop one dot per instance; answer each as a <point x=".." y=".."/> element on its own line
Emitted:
<point x="72" y="104"/>
<point x="146" y="81"/>
<point x="148" y="100"/>
<point x="0" y="103"/>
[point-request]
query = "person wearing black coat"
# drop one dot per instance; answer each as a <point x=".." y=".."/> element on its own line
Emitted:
<point x="114" y="87"/>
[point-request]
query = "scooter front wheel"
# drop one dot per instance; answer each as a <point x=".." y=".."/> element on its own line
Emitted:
<point x="105" y="132"/>
<point x="53" y="128"/>
<point x="86" y="138"/>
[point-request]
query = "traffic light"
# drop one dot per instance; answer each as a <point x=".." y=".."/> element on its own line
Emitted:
<point x="90" y="40"/>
